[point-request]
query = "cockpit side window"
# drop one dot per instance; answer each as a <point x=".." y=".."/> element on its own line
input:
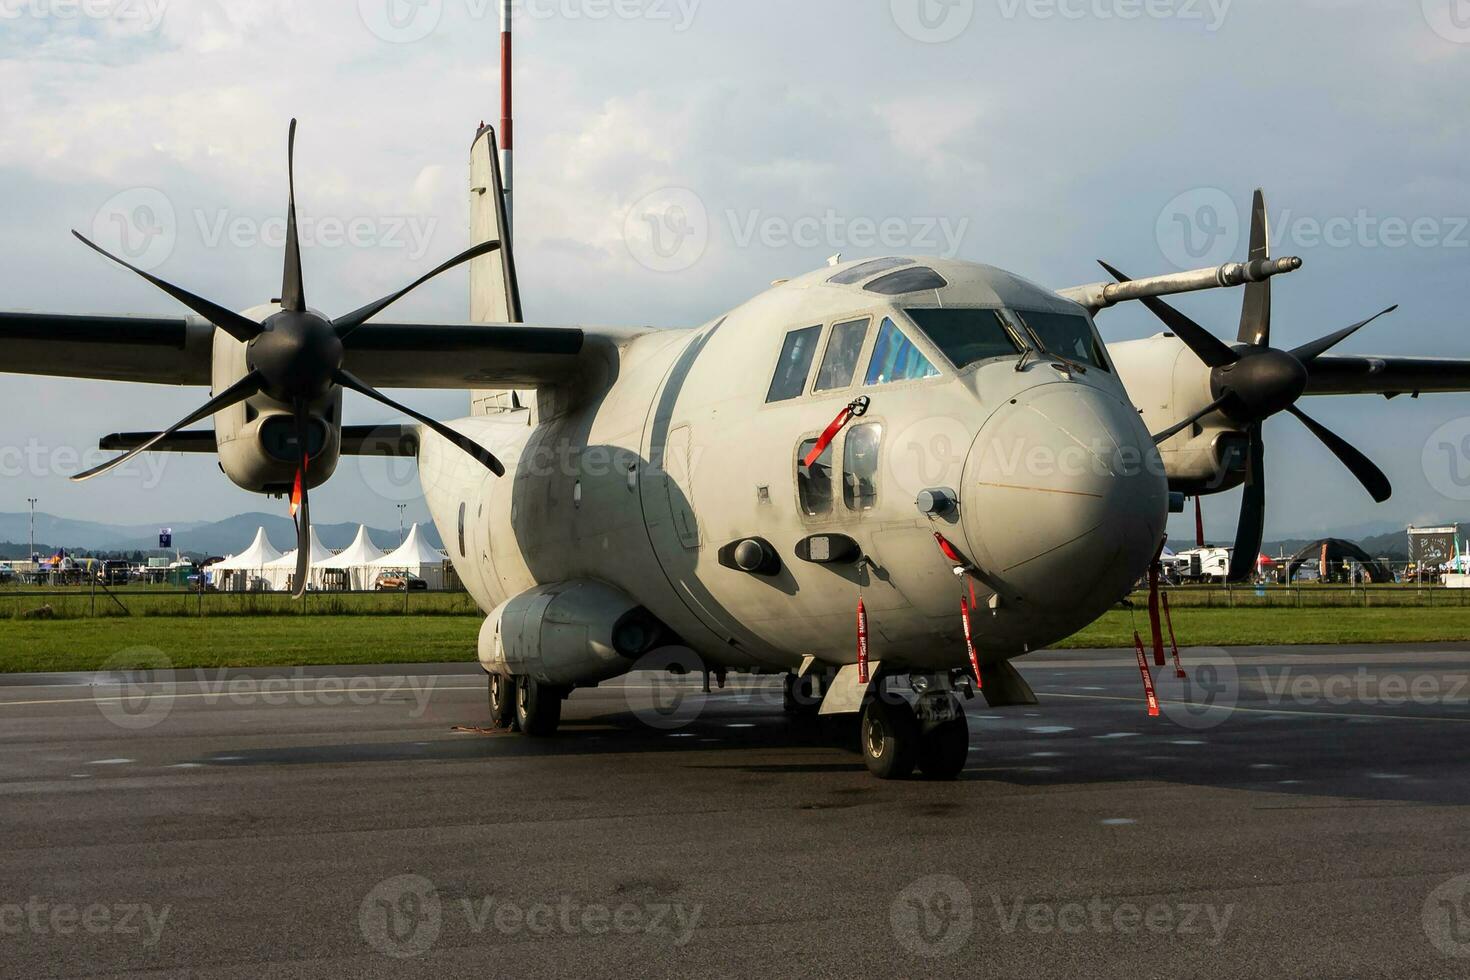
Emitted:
<point x="1069" y="335"/>
<point x="844" y="348"/>
<point x="795" y="364"/>
<point x="814" y="483"/>
<point x="895" y="358"/>
<point x="860" y="466"/>
<point x="966" y="336"/>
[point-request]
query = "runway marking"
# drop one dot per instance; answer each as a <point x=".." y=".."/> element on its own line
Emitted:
<point x="110" y="762"/>
<point x="1360" y="716"/>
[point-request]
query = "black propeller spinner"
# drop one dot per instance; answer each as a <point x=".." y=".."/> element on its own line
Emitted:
<point x="1251" y="382"/>
<point x="295" y="358"/>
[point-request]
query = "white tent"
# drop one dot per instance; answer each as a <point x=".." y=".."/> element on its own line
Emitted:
<point x="245" y="572"/>
<point x="281" y="571"/>
<point x="352" y="568"/>
<point x="417" y="557"/>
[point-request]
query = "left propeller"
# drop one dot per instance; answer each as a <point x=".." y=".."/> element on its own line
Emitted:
<point x="1252" y="381"/>
<point x="295" y="358"/>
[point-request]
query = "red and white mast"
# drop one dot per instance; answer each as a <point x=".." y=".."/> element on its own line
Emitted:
<point x="507" y="122"/>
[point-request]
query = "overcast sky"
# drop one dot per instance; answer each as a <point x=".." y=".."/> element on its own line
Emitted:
<point x="1037" y="135"/>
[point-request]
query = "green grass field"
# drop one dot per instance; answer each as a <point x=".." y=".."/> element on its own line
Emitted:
<point x="295" y="640"/>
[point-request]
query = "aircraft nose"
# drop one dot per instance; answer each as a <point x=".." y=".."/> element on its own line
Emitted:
<point x="1065" y="498"/>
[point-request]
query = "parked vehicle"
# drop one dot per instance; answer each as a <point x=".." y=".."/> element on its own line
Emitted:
<point x="399" y="582"/>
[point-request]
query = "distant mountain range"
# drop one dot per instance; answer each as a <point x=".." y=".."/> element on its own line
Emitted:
<point x="200" y="538"/>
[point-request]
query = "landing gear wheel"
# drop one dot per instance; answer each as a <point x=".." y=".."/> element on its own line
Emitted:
<point x="944" y="748"/>
<point x="502" y="701"/>
<point x="890" y="738"/>
<point x="538" y="707"/>
<point x="800" y="697"/>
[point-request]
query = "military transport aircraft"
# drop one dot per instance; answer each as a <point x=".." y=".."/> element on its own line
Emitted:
<point x="884" y="480"/>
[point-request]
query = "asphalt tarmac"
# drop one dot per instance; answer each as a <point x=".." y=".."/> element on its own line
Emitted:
<point x="1292" y="813"/>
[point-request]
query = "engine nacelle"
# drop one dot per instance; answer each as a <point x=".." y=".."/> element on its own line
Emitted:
<point x="569" y="633"/>
<point x="256" y="439"/>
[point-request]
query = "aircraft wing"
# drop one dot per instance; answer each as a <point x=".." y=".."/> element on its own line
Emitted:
<point x="177" y="351"/>
<point x="1387" y="375"/>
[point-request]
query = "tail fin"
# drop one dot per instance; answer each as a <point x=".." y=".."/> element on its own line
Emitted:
<point x="495" y="292"/>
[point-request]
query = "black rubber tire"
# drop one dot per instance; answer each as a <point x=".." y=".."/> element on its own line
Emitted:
<point x="944" y="749"/>
<point x="502" y="696"/>
<point x="538" y="708"/>
<point x="889" y="738"/>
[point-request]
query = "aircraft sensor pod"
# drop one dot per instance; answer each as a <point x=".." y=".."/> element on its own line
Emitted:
<point x="756" y="556"/>
<point x="937" y="501"/>
<point x="569" y="633"/>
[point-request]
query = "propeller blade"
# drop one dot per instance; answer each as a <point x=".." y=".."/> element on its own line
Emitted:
<point x="303" y="517"/>
<point x="293" y="291"/>
<point x="1206" y="346"/>
<point x="1310" y="352"/>
<point x="1255" y="311"/>
<point x="1252" y="528"/>
<point x="347" y="380"/>
<point x="1369" y="475"/>
<point x="241" y="328"/>
<point x="233" y="395"/>
<point x="1170" y="433"/>
<point x="346" y="324"/>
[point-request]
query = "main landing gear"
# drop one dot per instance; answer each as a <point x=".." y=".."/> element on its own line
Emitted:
<point x="526" y="705"/>
<point x="930" y="734"/>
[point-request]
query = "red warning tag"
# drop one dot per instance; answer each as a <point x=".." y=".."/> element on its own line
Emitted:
<point x="862" y="627"/>
<point x="1148" y="678"/>
<point x="970" y="643"/>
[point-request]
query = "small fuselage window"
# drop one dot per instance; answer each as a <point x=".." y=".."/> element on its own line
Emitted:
<point x="797" y="354"/>
<point x="895" y="358"/>
<point x="844" y="348"/>
<point x="814" y="483"/>
<point x="966" y="336"/>
<point x="860" y="466"/>
<point x="1068" y="335"/>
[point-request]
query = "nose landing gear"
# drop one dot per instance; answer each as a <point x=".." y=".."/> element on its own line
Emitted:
<point x="931" y="734"/>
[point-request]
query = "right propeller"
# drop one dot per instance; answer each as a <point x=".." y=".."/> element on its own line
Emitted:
<point x="1252" y="381"/>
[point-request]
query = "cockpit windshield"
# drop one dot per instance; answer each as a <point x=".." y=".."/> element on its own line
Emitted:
<point x="966" y="336"/>
<point x="1067" y="335"/>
